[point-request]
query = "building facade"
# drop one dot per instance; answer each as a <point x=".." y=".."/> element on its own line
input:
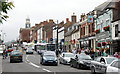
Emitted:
<point x="104" y="27"/>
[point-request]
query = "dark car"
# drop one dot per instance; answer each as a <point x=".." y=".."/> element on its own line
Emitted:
<point x="16" y="55"/>
<point x="49" y="58"/>
<point x="81" y="61"/>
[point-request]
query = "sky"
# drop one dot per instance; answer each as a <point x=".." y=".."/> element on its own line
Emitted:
<point x="42" y="10"/>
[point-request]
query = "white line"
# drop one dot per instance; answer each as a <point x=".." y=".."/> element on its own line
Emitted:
<point x="47" y="70"/>
<point x="34" y="65"/>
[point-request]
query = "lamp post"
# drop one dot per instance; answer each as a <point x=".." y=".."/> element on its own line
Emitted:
<point x="57" y="35"/>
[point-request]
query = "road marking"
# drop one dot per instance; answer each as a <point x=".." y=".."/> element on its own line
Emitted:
<point x="47" y="70"/>
<point x="34" y="65"/>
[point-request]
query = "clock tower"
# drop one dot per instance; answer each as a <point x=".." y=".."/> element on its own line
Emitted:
<point x="27" y="24"/>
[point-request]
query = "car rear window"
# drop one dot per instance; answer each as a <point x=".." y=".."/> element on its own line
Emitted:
<point x="16" y="52"/>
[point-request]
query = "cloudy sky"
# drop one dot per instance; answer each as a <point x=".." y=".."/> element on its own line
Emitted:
<point x="41" y="10"/>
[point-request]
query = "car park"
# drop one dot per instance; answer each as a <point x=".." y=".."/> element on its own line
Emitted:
<point x="49" y="58"/>
<point x="16" y="55"/>
<point x="81" y="61"/>
<point x="65" y="57"/>
<point x="114" y="67"/>
<point x="99" y="64"/>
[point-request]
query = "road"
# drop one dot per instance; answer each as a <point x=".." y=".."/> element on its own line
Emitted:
<point x="31" y="63"/>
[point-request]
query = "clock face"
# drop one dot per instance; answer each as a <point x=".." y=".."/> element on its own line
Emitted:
<point x="27" y="25"/>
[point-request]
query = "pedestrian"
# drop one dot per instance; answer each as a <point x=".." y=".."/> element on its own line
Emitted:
<point x="74" y="51"/>
<point x="104" y="53"/>
<point x="4" y="54"/>
<point x="116" y="54"/>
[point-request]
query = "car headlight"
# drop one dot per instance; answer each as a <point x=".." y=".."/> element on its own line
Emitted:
<point x="56" y="59"/>
<point x="44" y="58"/>
<point x="81" y="62"/>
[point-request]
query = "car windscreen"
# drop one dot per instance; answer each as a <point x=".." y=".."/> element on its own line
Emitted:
<point x="51" y="47"/>
<point x="40" y="47"/>
<point x="85" y="57"/>
<point x="29" y="50"/>
<point x="109" y="60"/>
<point x="69" y="55"/>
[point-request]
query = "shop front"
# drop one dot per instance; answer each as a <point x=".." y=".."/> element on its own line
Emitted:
<point x="103" y="42"/>
<point x="87" y="43"/>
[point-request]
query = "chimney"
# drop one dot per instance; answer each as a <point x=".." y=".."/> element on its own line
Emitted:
<point x="73" y="18"/>
<point x="50" y="20"/>
<point x="36" y="25"/>
<point x="67" y="20"/>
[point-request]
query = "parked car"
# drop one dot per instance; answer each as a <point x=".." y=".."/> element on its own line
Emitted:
<point x="81" y="61"/>
<point x="65" y="57"/>
<point x="16" y="55"/>
<point x="99" y="64"/>
<point x="49" y="58"/>
<point x="114" y="67"/>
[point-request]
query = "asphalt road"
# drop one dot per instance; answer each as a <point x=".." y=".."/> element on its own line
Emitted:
<point x="31" y="63"/>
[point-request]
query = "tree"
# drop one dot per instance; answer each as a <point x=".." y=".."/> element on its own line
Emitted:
<point x="5" y="5"/>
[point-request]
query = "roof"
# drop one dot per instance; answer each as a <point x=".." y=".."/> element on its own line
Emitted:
<point x="104" y="6"/>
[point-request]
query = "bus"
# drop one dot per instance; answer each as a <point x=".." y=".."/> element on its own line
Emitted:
<point x="42" y="47"/>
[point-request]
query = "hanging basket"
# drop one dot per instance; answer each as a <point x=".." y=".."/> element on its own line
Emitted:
<point x="97" y="31"/>
<point x="103" y="43"/>
<point x="107" y="28"/>
<point x="99" y="44"/>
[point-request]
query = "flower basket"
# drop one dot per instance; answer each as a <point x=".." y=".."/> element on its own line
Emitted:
<point x="106" y="28"/>
<point x="107" y="48"/>
<point x="97" y="31"/>
<point x="99" y="44"/>
<point x="103" y="43"/>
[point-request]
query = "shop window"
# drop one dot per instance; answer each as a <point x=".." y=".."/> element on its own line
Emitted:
<point x="116" y="30"/>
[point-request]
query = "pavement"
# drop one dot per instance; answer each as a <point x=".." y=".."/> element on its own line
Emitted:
<point x="0" y="63"/>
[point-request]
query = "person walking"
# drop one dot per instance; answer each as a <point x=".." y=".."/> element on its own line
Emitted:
<point x="4" y="54"/>
<point x="116" y="54"/>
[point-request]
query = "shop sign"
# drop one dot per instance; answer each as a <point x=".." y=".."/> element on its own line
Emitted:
<point x="102" y="35"/>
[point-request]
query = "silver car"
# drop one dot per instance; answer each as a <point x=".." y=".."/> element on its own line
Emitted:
<point x="65" y="57"/>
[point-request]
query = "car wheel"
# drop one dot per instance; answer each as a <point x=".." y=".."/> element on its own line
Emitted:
<point x="92" y="70"/>
<point x="11" y="61"/>
<point x="21" y="60"/>
<point x="78" y="66"/>
<point x="71" y="64"/>
<point x="56" y="64"/>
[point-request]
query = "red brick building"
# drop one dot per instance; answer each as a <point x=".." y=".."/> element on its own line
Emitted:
<point x="87" y="34"/>
<point x="24" y="34"/>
